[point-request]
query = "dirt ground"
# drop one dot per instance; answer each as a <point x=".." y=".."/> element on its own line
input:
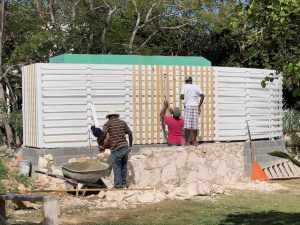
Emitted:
<point x="238" y="206"/>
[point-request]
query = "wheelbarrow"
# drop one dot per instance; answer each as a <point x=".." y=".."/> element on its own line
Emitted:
<point x="87" y="173"/>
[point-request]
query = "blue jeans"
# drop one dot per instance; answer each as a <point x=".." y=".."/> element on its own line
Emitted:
<point x="119" y="160"/>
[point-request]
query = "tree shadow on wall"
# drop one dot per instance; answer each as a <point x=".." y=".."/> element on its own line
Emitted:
<point x="262" y="218"/>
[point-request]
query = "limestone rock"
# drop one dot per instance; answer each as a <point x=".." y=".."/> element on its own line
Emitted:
<point x="181" y="159"/>
<point x="169" y="174"/>
<point x="80" y="159"/>
<point x="203" y="189"/>
<point x="146" y="197"/>
<point x="162" y="162"/>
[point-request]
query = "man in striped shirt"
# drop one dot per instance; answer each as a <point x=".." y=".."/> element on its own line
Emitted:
<point x="118" y="129"/>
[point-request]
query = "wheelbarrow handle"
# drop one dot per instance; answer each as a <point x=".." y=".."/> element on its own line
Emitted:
<point x="69" y="180"/>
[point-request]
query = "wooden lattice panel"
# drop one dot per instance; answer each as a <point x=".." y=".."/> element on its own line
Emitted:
<point x="148" y="90"/>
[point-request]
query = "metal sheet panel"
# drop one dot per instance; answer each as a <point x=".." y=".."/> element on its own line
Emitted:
<point x="240" y="97"/>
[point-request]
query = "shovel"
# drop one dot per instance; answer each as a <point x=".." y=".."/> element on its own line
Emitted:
<point x="256" y="171"/>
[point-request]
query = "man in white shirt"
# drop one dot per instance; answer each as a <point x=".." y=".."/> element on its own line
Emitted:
<point x="189" y="94"/>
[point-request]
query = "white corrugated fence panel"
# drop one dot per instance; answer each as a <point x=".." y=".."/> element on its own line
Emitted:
<point x="68" y="90"/>
<point x="240" y="97"/>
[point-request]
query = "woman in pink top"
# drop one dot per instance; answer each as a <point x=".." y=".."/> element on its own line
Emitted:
<point x="174" y="123"/>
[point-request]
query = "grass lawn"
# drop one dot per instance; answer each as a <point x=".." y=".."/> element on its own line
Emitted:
<point x="241" y="207"/>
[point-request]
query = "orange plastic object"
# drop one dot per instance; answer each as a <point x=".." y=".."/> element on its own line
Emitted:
<point x="257" y="173"/>
<point x="20" y="157"/>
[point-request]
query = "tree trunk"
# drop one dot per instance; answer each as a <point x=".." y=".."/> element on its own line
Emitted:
<point x="91" y="35"/>
<point x="104" y="32"/>
<point x="52" y="12"/>
<point x="130" y="46"/>
<point x="8" y="130"/>
<point x="18" y="141"/>
<point x="39" y="8"/>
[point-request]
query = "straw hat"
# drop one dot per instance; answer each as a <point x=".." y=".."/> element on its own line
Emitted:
<point x="112" y="113"/>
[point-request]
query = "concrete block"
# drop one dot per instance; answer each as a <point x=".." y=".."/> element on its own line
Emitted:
<point x="59" y="160"/>
<point x="263" y="151"/>
<point x="32" y="159"/>
<point x="261" y="159"/>
<point x="84" y="151"/>
<point x="247" y="161"/>
<point x="55" y="152"/>
<point x="246" y="145"/>
<point x="280" y="142"/>
<point x="29" y="152"/>
<point x="274" y="144"/>
<point x="70" y="151"/>
<point x="41" y="152"/>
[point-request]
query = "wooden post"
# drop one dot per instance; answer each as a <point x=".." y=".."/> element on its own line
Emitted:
<point x="174" y="85"/>
<point x="134" y="104"/>
<point x="140" y="83"/>
<point x="2" y="212"/>
<point x="152" y="105"/>
<point x="50" y="211"/>
<point x="146" y="105"/>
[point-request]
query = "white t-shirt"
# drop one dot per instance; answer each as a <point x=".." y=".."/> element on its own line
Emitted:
<point x="191" y="93"/>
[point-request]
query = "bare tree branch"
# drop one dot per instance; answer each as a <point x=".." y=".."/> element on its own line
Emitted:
<point x="147" y="40"/>
<point x="110" y="13"/>
<point x="12" y="96"/>
<point x="175" y="27"/>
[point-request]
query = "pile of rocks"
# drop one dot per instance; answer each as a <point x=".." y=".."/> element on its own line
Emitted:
<point x="46" y="164"/>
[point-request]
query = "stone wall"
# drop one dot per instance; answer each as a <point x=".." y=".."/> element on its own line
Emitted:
<point x="62" y="155"/>
<point x="198" y="170"/>
<point x="177" y="172"/>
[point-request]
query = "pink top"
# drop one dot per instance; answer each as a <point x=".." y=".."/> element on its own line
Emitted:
<point x="174" y="130"/>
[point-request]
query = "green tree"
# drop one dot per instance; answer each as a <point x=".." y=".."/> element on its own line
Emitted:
<point x="269" y="38"/>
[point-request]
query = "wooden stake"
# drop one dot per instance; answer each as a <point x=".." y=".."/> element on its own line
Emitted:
<point x="207" y="104"/>
<point x="157" y="106"/>
<point x="196" y="75"/>
<point x="146" y="105"/>
<point x="152" y="104"/>
<point x="134" y="103"/>
<point x="174" y="85"/>
<point x="212" y="110"/>
<point x="140" y="105"/>
<point x="161" y="81"/>
<point x="180" y="84"/>
<point x="168" y="86"/>
<point x="202" y="107"/>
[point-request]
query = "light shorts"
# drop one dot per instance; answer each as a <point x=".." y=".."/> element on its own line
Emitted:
<point x="191" y="115"/>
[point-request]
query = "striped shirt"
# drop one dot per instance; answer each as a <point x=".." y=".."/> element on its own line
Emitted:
<point x="117" y="130"/>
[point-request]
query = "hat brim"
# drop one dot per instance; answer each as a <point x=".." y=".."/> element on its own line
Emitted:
<point x="188" y="79"/>
<point x="118" y="115"/>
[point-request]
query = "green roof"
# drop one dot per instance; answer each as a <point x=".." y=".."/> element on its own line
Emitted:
<point x="130" y="60"/>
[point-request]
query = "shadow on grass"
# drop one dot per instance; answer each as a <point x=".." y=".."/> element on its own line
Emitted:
<point x="262" y="218"/>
